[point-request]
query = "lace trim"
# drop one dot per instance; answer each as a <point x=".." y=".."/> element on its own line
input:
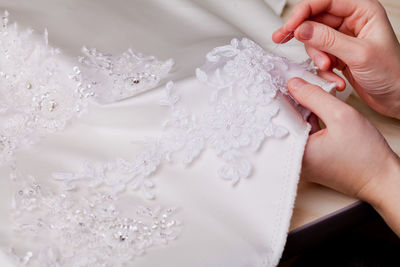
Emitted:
<point x="84" y="227"/>
<point x="40" y="91"/>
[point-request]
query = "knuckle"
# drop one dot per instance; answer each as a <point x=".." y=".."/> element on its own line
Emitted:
<point x="328" y="37"/>
<point x="344" y="114"/>
<point x="375" y="7"/>
<point x="364" y="54"/>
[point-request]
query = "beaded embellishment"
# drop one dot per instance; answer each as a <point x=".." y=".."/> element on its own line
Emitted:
<point x="118" y="77"/>
<point x="82" y="221"/>
<point x="245" y="80"/>
<point x="85" y="227"/>
<point x="41" y="91"/>
<point x="37" y="96"/>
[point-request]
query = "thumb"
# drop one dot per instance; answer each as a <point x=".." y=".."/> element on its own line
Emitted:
<point x="327" y="39"/>
<point x="314" y="98"/>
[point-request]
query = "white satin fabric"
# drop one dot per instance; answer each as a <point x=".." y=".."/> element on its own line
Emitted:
<point x="245" y="225"/>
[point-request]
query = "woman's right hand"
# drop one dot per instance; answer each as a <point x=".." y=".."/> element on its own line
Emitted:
<point x="355" y="37"/>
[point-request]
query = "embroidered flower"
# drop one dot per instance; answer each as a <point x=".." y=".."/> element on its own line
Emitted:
<point x="245" y="66"/>
<point x="230" y="125"/>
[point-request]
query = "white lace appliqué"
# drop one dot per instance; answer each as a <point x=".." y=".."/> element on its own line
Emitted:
<point x="118" y="77"/>
<point x="36" y="94"/>
<point x="246" y="80"/>
<point x="116" y="175"/>
<point x="230" y="128"/>
<point x="85" y="228"/>
<point x="85" y="221"/>
<point x="40" y="90"/>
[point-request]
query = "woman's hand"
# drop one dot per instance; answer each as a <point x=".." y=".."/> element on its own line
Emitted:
<point x="355" y="37"/>
<point x="349" y="155"/>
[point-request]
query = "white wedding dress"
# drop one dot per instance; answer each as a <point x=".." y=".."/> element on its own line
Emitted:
<point x="190" y="157"/>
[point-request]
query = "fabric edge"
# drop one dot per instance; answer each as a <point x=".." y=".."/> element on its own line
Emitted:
<point x="289" y="192"/>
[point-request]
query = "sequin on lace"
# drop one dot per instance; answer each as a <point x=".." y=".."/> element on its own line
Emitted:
<point x="85" y="227"/>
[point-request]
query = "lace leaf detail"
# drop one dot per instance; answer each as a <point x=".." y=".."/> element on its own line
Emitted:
<point x="245" y="79"/>
<point x="117" y="175"/>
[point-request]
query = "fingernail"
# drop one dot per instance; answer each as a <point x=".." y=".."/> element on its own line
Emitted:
<point x="296" y="83"/>
<point x="305" y="31"/>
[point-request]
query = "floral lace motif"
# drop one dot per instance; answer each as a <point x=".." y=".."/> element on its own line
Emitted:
<point x="243" y="65"/>
<point x="245" y="80"/>
<point x="118" y="77"/>
<point x="83" y="222"/>
<point x="36" y="95"/>
<point x="117" y="174"/>
<point x="85" y="227"/>
<point x="40" y="91"/>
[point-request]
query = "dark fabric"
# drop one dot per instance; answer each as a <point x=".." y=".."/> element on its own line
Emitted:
<point x="371" y="245"/>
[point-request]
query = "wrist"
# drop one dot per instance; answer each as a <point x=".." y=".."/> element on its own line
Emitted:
<point x="393" y="105"/>
<point x="381" y="190"/>
<point x="384" y="194"/>
<point x="397" y="106"/>
<point x="394" y="111"/>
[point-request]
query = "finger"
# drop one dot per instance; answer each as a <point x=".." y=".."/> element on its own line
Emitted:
<point x="328" y="19"/>
<point x="321" y="59"/>
<point x="315" y="99"/>
<point x="333" y="22"/>
<point x="308" y="8"/>
<point x="334" y="61"/>
<point x="328" y="40"/>
<point x="281" y="36"/>
<point x="333" y="77"/>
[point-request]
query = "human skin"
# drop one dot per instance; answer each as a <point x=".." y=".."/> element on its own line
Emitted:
<point x="350" y="155"/>
<point x="355" y="37"/>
